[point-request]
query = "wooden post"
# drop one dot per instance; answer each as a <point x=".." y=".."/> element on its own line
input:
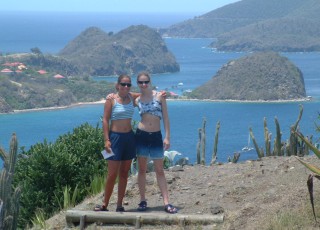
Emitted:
<point x="74" y="216"/>
<point x="82" y="222"/>
<point x="138" y="222"/>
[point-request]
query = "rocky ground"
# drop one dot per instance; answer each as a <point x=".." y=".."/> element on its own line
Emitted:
<point x="249" y="194"/>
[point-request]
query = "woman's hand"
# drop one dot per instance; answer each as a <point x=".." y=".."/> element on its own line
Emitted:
<point x="166" y="144"/>
<point x="111" y="96"/>
<point x="107" y="146"/>
<point x="163" y="93"/>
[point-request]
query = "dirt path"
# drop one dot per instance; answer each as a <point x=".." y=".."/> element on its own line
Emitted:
<point x="246" y="193"/>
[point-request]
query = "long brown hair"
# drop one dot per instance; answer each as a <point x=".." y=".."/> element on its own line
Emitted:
<point x="123" y="76"/>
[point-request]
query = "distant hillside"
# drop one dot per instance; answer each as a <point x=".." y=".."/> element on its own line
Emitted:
<point x="257" y="25"/>
<point x="285" y="35"/>
<point x="259" y="76"/>
<point x="135" y="49"/>
<point x="31" y="90"/>
<point x="29" y="81"/>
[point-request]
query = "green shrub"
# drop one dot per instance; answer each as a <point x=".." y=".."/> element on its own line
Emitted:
<point x="72" y="160"/>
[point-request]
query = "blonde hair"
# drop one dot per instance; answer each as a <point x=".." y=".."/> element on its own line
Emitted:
<point x="144" y="74"/>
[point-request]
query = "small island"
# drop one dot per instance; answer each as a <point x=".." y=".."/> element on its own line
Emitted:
<point x="132" y="50"/>
<point x="261" y="76"/>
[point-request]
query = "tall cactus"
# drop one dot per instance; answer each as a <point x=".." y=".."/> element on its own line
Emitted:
<point x="199" y="146"/>
<point x="267" y="138"/>
<point x="203" y="142"/>
<point x="9" y="198"/>
<point x="277" y="144"/>
<point x="293" y="145"/>
<point x="215" y="144"/>
<point x="258" y="150"/>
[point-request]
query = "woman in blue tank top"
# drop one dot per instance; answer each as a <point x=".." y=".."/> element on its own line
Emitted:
<point x="152" y="108"/>
<point x="119" y="140"/>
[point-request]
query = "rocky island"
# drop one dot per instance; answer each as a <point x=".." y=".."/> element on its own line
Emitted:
<point x="135" y="49"/>
<point x="261" y="76"/>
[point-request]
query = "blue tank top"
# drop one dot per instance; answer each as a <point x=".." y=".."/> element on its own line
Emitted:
<point x="153" y="107"/>
<point x="120" y="111"/>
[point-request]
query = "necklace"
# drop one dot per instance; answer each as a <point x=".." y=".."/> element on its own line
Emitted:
<point x="122" y="98"/>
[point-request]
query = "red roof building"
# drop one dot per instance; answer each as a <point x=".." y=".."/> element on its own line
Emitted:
<point x="57" y="76"/>
<point x="42" y="71"/>
<point x="6" y="71"/>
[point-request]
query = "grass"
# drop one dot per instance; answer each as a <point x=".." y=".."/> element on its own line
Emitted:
<point x="299" y="217"/>
<point x="39" y="221"/>
<point x="97" y="184"/>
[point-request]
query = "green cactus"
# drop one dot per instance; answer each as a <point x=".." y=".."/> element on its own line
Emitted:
<point x="293" y="141"/>
<point x="313" y="168"/>
<point x="203" y="142"/>
<point x="258" y="150"/>
<point x="277" y="144"/>
<point x="198" y="146"/>
<point x="267" y="138"/>
<point x="306" y="148"/>
<point x="215" y="144"/>
<point x="9" y="198"/>
<point x="235" y="158"/>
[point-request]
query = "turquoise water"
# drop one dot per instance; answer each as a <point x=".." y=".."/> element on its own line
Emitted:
<point x="198" y="64"/>
<point x="186" y="117"/>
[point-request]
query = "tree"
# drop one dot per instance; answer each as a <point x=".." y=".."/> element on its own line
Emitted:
<point x="36" y="50"/>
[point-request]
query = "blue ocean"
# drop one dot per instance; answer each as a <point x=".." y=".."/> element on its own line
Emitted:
<point x="52" y="31"/>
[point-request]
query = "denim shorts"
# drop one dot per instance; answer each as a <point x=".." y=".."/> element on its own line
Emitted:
<point x="149" y="144"/>
<point x="123" y="146"/>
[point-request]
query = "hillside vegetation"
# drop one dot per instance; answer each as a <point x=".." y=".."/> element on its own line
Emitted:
<point x="27" y="80"/>
<point x="251" y="25"/>
<point x="259" y="76"/>
<point x="19" y="92"/>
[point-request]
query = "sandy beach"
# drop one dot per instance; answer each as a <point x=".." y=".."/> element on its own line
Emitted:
<point x="102" y="101"/>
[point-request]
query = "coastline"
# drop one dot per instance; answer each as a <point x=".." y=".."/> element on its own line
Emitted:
<point x="169" y="99"/>
<point x="244" y="101"/>
<point x="56" y="107"/>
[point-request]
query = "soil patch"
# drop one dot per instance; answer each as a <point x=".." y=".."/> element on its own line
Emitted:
<point x="247" y="193"/>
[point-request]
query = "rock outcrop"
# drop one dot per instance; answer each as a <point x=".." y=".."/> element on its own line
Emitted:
<point x="265" y="76"/>
<point x="135" y="49"/>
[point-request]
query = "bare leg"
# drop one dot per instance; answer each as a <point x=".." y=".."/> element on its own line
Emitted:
<point x="113" y="168"/>
<point x="142" y="164"/>
<point x="161" y="179"/>
<point x="123" y="179"/>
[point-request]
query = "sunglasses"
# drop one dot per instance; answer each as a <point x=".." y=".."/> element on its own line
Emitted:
<point x="125" y="84"/>
<point x="143" y="82"/>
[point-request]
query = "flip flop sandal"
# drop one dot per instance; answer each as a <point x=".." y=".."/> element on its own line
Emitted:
<point x="100" y="207"/>
<point x="170" y="209"/>
<point x="142" y="206"/>
<point x="120" y="209"/>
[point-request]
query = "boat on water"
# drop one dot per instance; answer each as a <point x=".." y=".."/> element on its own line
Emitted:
<point x="248" y="147"/>
<point x="180" y="84"/>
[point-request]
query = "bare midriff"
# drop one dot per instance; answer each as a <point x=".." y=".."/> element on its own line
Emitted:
<point x="149" y="123"/>
<point x="121" y="126"/>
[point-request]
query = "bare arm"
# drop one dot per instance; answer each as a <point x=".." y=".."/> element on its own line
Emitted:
<point x="166" y="123"/>
<point x="105" y="124"/>
<point x="135" y="95"/>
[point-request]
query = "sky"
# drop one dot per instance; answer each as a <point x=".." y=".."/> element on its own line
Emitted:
<point x="170" y="6"/>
